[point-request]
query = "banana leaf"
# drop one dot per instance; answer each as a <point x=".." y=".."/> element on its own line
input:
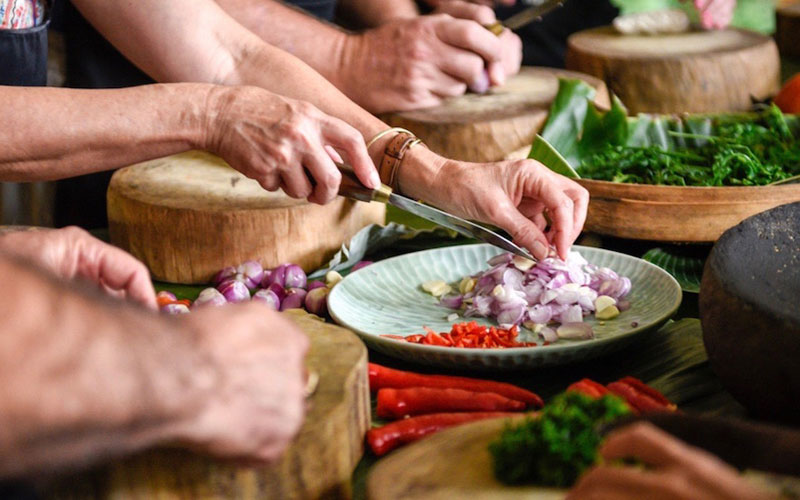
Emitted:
<point x="686" y="269"/>
<point x="576" y="128"/>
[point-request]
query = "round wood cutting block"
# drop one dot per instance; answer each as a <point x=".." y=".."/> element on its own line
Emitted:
<point x="318" y="464"/>
<point x="696" y="71"/>
<point x="189" y="215"/>
<point x="491" y="126"/>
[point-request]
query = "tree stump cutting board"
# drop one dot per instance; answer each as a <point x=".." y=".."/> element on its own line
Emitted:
<point x="187" y="216"/>
<point x="696" y="71"/>
<point x="318" y="464"/>
<point x="494" y="125"/>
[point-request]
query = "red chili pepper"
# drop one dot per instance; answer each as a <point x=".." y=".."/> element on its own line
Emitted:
<point x="384" y="439"/>
<point x="186" y="302"/>
<point x="639" y="401"/>
<point x="469" y="334"/>
<point x="381" y="377"/>
<point x="589" y="387"/>
<point x="650" y="391"/>
<point x="398" y="403"/>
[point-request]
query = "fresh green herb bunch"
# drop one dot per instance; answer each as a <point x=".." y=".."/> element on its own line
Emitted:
<point x="555" y="448"/>
<point x="756" y="152"/>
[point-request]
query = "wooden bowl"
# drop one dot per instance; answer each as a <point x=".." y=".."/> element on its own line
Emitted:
<point x="677" y="213"/>
<point x="750" y="313"/>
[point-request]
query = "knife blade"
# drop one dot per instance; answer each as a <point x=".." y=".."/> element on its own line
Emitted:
<point x="352" y="188"/>
<point x="537" y="9"/>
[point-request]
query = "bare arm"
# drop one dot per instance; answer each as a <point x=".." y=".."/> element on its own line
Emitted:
<point x="50" y="133"/>
<point x="84" y="378"/>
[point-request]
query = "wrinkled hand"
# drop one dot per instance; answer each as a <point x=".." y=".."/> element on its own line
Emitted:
<point x="276" y="140"/>
<point x="416" y="63"/>
<point x="516" y="196"/>
<point x="676" y="471"/>
<point x="254" y="404"/>
<point x="715" y="14"/>
<point x="71" y="253"/>
<point x="511" y="45"/>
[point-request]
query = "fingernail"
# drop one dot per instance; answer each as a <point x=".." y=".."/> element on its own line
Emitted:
<point x="375" y="179"/>
<point x="539" y="250"/>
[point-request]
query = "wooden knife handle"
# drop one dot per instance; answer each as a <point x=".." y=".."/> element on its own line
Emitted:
<point x="352" y="188"/>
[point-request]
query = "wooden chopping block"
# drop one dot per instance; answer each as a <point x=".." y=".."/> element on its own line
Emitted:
<point x="697" y="71"/>
<point x="494" y="125"/>
<point x="318" y="464"/>
<point x="189" y="215"/>
<point x="787" y="30"/>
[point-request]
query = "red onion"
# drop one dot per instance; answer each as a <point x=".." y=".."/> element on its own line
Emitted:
<point x="209" y="297"/>
<point x="451" y="301"/>
<point x="277" y="275"/>
<point x="548" y="334"/>
<point x="235" y="291"/>
<point x="295" y="277"/>
<point x="278" y="290"/>
<point x="551" y="290"/>
<point x="268" y="297"/>
<point x="316" y="301"/>
<point x="316" y="284"/>
<point x="252" y="273"/>
<point x="175" y="309"/>
<point x="224" y="274"/>
<point x="361" y="265"/>
<point x="295" y="298"/>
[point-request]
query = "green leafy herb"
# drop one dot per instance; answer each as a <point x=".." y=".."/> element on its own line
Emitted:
<point x="555" y="448"/>
<point x="739" y="149"/>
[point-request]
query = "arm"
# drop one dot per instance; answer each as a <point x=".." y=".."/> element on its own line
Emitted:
<point x="84" y="379"/>
<point x="196" y="41"/>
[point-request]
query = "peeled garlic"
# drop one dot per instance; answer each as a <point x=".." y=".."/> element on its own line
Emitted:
<point x="609" y="312"/>
<point x="332" y="278"/>
<point x="466" y="285"/>
<point x="604" y="301"/>
<point x="522" y="263"/>
<point x="437" y="288"/>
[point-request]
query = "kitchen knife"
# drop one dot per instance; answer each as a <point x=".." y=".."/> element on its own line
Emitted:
<point x="352" y="188"/>
<point x="537" y="9"/>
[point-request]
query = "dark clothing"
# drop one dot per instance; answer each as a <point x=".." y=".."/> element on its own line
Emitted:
<point x="544" y="42"/>
<point x="23" y="56"/>
<point x="92" y="62"/>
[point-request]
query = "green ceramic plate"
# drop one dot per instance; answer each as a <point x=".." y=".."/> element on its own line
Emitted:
<point x="386" y="297"/>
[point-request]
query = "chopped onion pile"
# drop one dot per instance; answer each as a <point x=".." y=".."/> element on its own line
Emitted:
<point x="517" y="291"/>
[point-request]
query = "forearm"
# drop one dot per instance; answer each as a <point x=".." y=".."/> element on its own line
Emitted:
<point x="82" y="378"/>
<point x="51" y="133"/>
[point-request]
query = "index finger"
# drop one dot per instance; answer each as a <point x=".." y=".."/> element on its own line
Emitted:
<point x="347" y="139"/>
<point x="471" y="36"/>
<point x="120" y="270"/>
<point x="540" y="184"/>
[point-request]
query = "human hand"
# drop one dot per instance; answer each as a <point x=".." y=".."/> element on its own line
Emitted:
<point x="511" y="45"/>
<point x="715" y="14"/>
<point x="489" y="3"/>
<point x="676" y="471"/>
<point x="71" y="253"/>
<point x="514" y="195"/>
<point x="280" y="141"/>
<point x="254" y="403"/>
<point x="417" y="63"/>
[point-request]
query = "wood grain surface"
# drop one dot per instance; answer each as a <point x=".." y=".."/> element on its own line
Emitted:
<point x="677" y="213"/>
<point x="318" y="464"/>
<point x="454" y="463"/>
<point x="489" y="127"/>
<point x="187" y="216"/>
<point x="696" y="71"/>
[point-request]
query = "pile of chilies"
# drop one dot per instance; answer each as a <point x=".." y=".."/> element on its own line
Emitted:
<point x="420" y="405"/>
<point x="284" y="287"/>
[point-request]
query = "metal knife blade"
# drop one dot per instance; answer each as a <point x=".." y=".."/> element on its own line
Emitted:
<point x="461" y="226"/>
<point x="538" y="9"/>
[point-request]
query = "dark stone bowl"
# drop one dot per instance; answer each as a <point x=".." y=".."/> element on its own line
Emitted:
<point x="750" y="311"/>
